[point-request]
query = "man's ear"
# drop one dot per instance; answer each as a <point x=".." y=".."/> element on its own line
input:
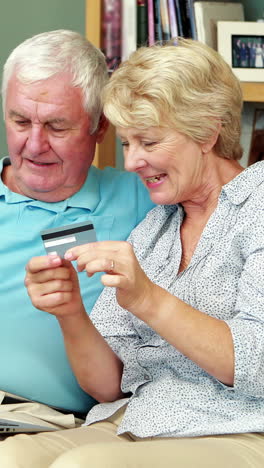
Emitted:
<point x="210" y="143"/>
<point x="102" y="128"/>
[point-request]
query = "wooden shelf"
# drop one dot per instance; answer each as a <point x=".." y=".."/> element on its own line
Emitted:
<point x="105" y="152"/>
<point x="93" y="21"/>
<point x="253" y="92"/>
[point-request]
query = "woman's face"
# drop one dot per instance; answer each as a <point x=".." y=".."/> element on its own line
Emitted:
<point x="168" y="163"/>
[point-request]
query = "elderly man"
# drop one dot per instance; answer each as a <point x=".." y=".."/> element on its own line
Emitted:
<point x="51" y="100"/>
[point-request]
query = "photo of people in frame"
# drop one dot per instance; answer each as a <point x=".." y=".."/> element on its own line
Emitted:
<point x="247" y="51"/>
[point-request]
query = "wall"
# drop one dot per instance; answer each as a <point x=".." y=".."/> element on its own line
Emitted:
<point x="254" y="9"/>
<point x="22" y="19"/>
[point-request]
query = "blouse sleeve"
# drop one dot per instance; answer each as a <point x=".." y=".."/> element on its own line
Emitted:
<point x="247" y="326"/>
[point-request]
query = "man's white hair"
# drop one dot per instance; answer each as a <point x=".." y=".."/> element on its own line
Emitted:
<point x="47" y="54"/>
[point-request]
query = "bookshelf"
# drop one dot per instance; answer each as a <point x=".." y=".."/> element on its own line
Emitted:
<point x="106" y="151"/>
<point x="253" y="92"/>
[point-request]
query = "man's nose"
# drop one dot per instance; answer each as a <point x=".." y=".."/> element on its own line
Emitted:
<point x="37" y="142"/>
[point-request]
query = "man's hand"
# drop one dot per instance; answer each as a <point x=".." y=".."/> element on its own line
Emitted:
<point x="53" y="286"/>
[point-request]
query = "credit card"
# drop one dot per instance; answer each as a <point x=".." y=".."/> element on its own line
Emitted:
<point x="59" y="240"/>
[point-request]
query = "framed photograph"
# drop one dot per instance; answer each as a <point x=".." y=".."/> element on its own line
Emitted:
<point x="241" y="43"/>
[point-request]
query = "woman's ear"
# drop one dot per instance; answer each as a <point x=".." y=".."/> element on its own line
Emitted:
<point x="210" y="143"/>
<point x="102" y="128"/>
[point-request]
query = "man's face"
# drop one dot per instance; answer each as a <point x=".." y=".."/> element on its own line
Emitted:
<point x="48" y="136"/>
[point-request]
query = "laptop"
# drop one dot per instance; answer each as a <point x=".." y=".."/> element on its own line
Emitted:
<point x="20" y="422"/>
<point x="11" y="423"/>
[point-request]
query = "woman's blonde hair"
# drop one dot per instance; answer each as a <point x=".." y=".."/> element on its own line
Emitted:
<point x="186" y="86"/>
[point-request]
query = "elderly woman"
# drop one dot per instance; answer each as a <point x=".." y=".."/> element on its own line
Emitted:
<point x="174" y="348"/>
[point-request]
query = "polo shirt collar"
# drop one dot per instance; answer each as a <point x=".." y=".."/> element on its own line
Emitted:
<point x="87" y="197"/>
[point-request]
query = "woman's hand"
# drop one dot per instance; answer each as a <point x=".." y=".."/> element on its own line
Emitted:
<point x="205" y="340"/>
<point x="53" y="286"/>
<point x="118" y="261"/>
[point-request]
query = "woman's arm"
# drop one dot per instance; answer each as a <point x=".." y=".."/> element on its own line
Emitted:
<point x="53" y="287"/>
<point x="205" y="340"/>
<point x="97" y="368"/>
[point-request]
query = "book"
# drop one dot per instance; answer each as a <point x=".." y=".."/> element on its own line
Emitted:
<point x="256" y="150"/>
<point x="157" y="21"/>
<point x="179" y="18"/>
<point x="172" y="19"/>
<point x="185" y="19"/>
<point x="129" y="28"/>
<point x="142" y="23"/>
<point x="208" y="13"/>
<point x="151" y="24"/>
<point x="191" y="16"/>
<point x="111" y="32"/>
<point x="165" y="24"/>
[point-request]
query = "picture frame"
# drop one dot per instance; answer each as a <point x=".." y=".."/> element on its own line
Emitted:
<point x="207" y="15"/>
<point x="241" y="44"/>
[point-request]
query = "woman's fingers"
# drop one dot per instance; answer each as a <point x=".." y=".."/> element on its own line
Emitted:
<point x="123" y="272"/>
<point x="60" y="273"/>
<point x="49" y="287"/>
<point x="52" y="292"/>
<point x="51" y="301"/>
<point x="49" y="281"/>
<point x="36" y="264"/>
<point x="92" y="249"/>
<point x="108" y="256"/>
<point x="53" y="286"/>
<point x="115" y="281"/>
<point x="106" y="265"/>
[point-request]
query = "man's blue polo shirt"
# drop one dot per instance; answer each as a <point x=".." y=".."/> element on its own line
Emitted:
<point x="33" y="362"/>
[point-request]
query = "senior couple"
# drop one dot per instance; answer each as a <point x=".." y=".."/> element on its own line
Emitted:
<point x="172" y="350"/>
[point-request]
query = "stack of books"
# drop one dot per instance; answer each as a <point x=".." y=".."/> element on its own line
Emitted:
<point x="128" y="24"/>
